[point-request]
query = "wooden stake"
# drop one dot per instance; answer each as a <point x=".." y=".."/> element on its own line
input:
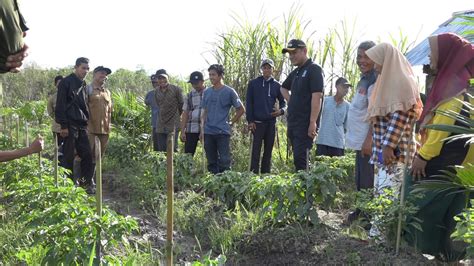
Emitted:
<point x="98" y="193"/>
<point x="170" y="199"/>
<point x="250" y="152"/>
<point x="56" y="159"/>
<point x="307" y="160"/>
<point x="27" y="140"/>
<point x="402" y="192"/>
<point x="17" y="130"/>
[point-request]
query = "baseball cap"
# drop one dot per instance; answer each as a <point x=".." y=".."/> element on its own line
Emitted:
<point x="196" y="76"/>
<point x="161" y="73"/>
<point x="343" y="81"/>
<point x="102" y="68"/>
<point x="292" y="45"/>
<point x="267" y="61"/>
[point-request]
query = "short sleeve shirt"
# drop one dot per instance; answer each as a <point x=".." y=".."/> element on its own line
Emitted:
<point x="303" y="82"/>
<point x="218" y="102"/>
<point x="357" y="124"/>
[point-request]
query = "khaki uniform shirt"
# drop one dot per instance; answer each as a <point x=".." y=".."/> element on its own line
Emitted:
<point x="100" y="110"/>
<point x="55" y="127"/>
<point x="12" y="26"/>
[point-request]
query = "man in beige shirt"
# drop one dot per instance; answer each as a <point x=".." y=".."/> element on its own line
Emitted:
<point x="55" y="127"/>
<point x="100" y="110"/>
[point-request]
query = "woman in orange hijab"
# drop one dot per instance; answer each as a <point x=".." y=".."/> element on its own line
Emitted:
<point x="393" y="108"/>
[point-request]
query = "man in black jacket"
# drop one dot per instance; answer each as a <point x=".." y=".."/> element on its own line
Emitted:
<point x="263" y="94"/>
<point x="72" y="114"/>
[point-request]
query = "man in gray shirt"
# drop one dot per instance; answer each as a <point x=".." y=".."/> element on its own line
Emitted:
<point x="359" y="133"/>
<point x="330" y="141"/>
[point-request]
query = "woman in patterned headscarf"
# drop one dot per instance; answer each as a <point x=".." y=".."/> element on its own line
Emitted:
<point x="452" y="58"/>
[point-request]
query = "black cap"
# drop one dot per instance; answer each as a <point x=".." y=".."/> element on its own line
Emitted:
<point x="196" y="76"/>
<point x="152" y="77"/>
<point x="102" y="68"/>
<point x="343" y="81"/>
<point x="292" y="45"/>
<point x="161" y="73"/>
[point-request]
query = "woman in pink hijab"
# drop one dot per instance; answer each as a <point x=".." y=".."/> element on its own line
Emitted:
<point x="452" y="59"/>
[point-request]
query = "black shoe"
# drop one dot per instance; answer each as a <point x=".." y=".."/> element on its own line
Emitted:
<point x="352" y="217"/>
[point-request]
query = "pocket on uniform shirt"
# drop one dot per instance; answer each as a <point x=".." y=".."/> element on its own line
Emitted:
<point x="360" y="101"/>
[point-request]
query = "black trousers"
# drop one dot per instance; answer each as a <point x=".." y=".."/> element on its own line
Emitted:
<point x="264" y="133"/>
<point x="364" y="172"/>
<point x="301" y="143"/>
<point x="77" y="141"/>
<point x="191" y="143"/>
<point x="163" y="141"/>
<point x="325" y="150"/>
<point x="59" y="139"/>
<point x="154" y="137"/>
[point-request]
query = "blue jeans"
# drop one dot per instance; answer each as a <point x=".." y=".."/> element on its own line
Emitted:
<point x="217" y="152"/>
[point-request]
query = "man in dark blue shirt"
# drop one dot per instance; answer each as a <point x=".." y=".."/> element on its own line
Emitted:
<point x="262" y="109"/>
<point x="307" y="89"/>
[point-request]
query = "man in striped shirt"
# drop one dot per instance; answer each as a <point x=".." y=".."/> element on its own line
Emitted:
<point x="191" y="117"/>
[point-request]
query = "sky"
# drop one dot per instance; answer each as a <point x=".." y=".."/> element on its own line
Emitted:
<point x="177" y="35"/>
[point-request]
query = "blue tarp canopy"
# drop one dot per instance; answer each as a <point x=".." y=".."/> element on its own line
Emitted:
<point x="419" y="54"/>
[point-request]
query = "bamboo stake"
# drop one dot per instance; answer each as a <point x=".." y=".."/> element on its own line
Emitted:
<point x="170" y="198"/>
<point x="250" y="151"/>
<point x="17" y="130"/>
<point x="402" y="192"/>
<point x="56" y="159"/>
<point x="39" y="167"/>
<point x="278" y="141"/>
<point x="27" y="140"/>
<point x="307" y="160"/>
<point x="98" y="193"/>
<point x="203" y="148"/>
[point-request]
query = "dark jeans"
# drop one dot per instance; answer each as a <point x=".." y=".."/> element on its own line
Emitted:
<point x="324" y="150"/>
<point x="264" y="132"/>
<point x="301" y="144"/>
<point x="154" y="137"/>
<point x="191" y="143"/>
<point x="163" y="141"/>
<point x="364" y="172"/>
<point x="217" y="152"/>
<point x="78" y="141"/>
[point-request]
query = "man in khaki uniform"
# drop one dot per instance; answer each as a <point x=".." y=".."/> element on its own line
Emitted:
<point x="12" y="30"/>
<point x="55" y="127"/>
<point x="100" y="110"/>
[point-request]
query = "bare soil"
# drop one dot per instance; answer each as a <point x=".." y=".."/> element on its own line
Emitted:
<point x="293" y="244"/>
